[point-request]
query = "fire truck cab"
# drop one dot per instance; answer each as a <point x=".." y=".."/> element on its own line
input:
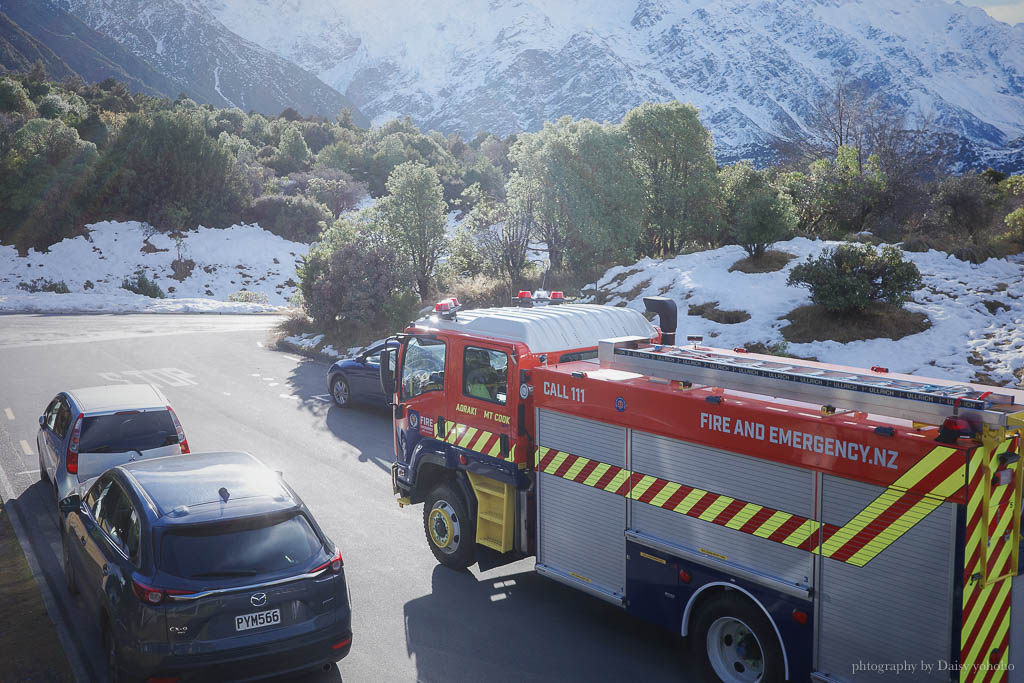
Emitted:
<point x="796" y="520"/>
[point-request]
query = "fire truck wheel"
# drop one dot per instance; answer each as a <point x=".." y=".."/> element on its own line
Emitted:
<point x="450" y="531"/>
<point x="340" y="391"/>
<point x="733" y="641"/>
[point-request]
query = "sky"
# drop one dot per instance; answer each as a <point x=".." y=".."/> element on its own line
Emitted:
<point x="1010" y="11"/>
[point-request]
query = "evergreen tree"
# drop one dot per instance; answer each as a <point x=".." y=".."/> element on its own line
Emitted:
<point x="674" y="158"/>
<point x="755" y="211"/>
<point x="414" y="215"/>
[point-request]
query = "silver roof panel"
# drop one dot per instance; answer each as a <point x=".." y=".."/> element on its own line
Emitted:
<point x="548" y="328"/>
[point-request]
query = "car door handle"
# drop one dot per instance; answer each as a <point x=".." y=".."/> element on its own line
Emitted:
<point x="81" y="539"/>
<point x="106" y="569"/>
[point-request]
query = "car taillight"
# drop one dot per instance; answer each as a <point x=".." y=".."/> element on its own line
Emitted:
<point x="334" y="564"/>
<point x="182" y="441"/>
<point x="154" y="596"/>
<point x="71" y="457"/>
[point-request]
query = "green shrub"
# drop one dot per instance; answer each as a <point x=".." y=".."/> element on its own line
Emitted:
<point x="294" y="218"/>
<point x="853" y="278"/>
<point x="357" y="290"/>
<point x="140" y="284"/>
<point x="43" y="285"/>
<point x="244" y="296"/>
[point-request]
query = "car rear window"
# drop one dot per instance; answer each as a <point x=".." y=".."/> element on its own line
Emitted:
<point x="127" y="431"/>
<point x="246" y="548"/>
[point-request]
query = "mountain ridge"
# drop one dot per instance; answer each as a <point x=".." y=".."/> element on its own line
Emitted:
<point x="188" y="45"/>
<point x="753" y="68"/>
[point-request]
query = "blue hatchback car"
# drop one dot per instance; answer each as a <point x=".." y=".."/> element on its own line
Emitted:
<point x="206" y="566"/>
<point x="357" y="380"/>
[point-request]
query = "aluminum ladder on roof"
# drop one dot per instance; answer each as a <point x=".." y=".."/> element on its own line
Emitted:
<point x="921" y="401"/>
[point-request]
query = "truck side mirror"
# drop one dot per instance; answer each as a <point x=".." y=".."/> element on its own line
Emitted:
<point x="387" y="372"/>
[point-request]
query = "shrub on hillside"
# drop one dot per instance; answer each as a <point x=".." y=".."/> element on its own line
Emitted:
<point x="295" y="218"/>
<point x="853" y="278"/>
<point x="168" y="160"/>
<point x="357" y="290"/>
<point x="244" y="296"/>
<point x="140" y="284"/>
<point x="43" y="285"/>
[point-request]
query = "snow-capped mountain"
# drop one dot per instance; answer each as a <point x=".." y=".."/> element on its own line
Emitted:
<point x="186" y="42"/>
<point x="753" y="67"/>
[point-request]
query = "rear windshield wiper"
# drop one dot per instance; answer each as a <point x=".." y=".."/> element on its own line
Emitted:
<point x="238" y="572"/>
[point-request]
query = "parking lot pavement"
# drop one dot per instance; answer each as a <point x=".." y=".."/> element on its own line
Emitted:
<point x="412" y="620"/>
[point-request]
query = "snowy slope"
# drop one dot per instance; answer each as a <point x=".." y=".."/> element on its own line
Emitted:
<point x="754" y="67"/>
<point x="964" y="337"/>
<point x="186" y="43"/>
<point x="226" y="261"/>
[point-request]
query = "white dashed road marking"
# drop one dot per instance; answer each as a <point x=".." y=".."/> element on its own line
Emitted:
<point x="323" y="397"/>
<point x="9" y="413"/>
<point x="294" y="358"/>
<point x="25" y="447"/>
<point x="259" y="344"/>
<point x="272" y="384"/>
<point x="255" y="374"/>
<point x="27" y="472"/>
<point x="289" y="397"/>
<point x="172" y="377"/>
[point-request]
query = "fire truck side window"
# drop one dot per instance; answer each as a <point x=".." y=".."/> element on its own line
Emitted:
<point x="485" y="374"/>
<point x="422" y="367"/>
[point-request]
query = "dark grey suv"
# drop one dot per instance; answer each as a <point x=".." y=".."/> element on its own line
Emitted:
<point x="206" y="566"/>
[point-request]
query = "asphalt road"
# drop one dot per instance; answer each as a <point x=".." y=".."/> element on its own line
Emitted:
<point x="412" y="619"/>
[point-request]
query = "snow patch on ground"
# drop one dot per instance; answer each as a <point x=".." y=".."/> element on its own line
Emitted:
<point x="226" y="261"/>
<point x="310" y="342"/>
<point x="965" y="336"/>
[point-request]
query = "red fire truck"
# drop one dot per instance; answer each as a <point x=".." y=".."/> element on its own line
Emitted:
<point x="796" y="520"/>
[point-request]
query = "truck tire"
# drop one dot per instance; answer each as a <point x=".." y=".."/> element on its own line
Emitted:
<point x="451" y="532"/>
<point x="732" y="641"/>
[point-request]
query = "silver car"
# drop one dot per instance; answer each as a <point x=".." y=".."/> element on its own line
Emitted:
<point x="84" y="432"/>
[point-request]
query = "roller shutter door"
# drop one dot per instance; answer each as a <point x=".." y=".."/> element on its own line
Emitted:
<point x="897" y="607"/>
<point x="752" y="480"/>
<point x="581" y="529"/>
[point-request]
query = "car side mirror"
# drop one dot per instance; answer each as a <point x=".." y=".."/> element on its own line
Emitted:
<point x="387" y="375"/>
<point x="70" y="504"/>
<point x="42" y="420"/>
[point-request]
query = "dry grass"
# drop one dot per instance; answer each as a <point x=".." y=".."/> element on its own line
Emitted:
<point x="995" y="306"/>
<point x="814" y="323"/>
<point x="711" y="311"/>
<point x="780" y="349"/>
<point x="770" y="262"/>
<point x="149" y="248"/>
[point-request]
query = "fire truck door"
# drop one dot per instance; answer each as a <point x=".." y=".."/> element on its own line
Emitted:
<point x="482" y="402"/>
<point x="421" y="391"/>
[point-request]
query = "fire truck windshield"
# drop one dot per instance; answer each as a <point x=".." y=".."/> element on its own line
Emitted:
<point x="423" y="367"/>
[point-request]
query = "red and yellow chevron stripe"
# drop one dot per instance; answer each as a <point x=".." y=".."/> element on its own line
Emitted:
<point x="584" y="471"/>
<point x="897" y="509"/>
<point x="871" y="531"/>
<point x="474" y="439"/>
<point x="985" y="623"/>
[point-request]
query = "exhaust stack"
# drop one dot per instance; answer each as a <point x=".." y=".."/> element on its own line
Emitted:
<point x="666" y="310"/>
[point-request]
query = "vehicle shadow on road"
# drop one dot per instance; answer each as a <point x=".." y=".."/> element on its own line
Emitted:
<point x="500" y="628"/>
<point x="365" y="428"/>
